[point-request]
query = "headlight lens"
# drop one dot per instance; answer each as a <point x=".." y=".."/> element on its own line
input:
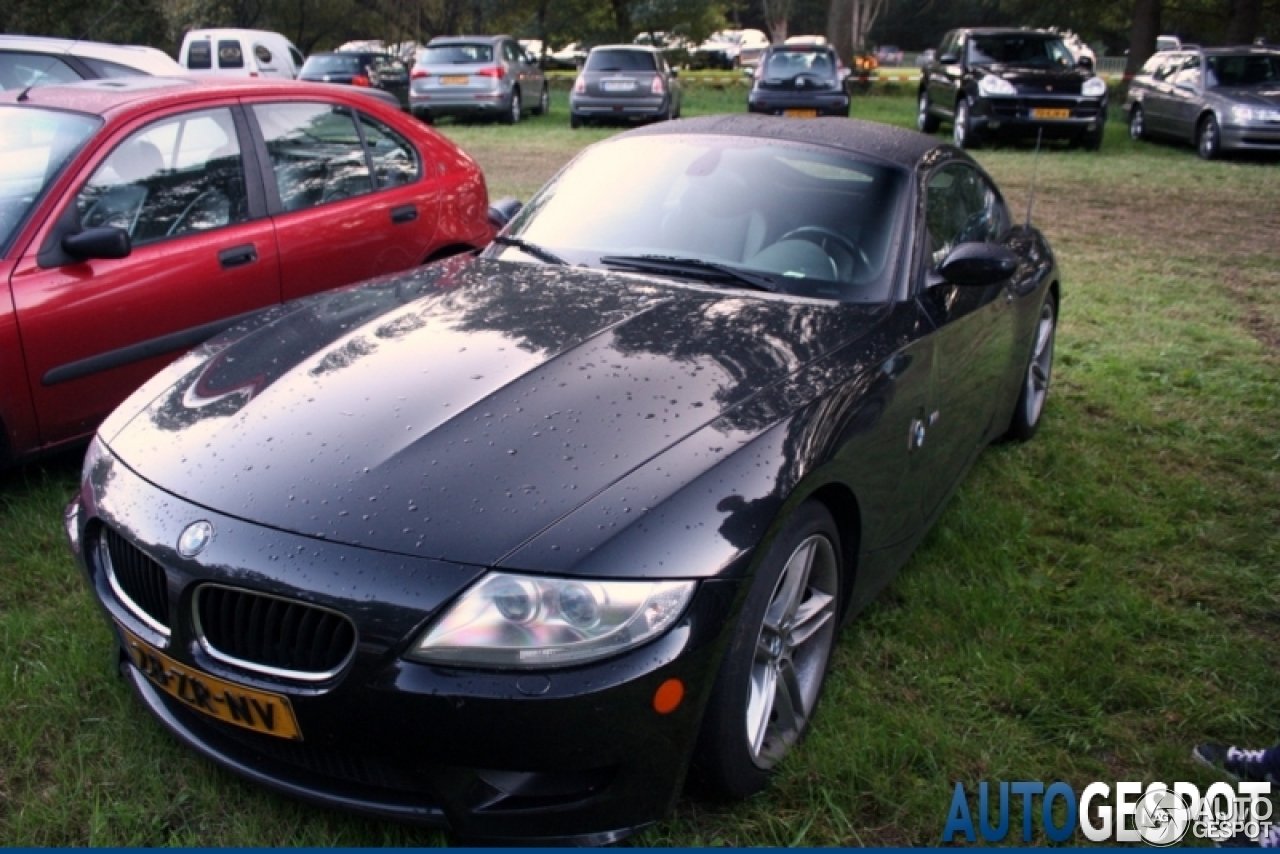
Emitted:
<point x="993" y="85"/>
<point x="527" y="622"/>
<point x="1094" y="87"/>
<point x="1242" y="113"/>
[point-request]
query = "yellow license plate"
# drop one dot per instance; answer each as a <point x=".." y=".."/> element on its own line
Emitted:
<point x="801" y="114"/>
<point x="1050" y="114"/>
<point x="454" y="81"/>
<point x="260" y="711"/>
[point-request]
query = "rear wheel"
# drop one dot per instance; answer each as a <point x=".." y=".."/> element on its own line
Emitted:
<point x="575" y="121"/>
<point x="1137" y="123"/>
<point x="925" y="120"/>
<point x="1035" y="382"/>
<point x="772" y="673"/>
<point x="1208" y="138"/>
<point x="544" y="103"/>
<point x="512" y="115"/>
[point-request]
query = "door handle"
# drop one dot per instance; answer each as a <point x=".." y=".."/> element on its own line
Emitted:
<point x="238" y="256"/>
<point x="407" y="213"/>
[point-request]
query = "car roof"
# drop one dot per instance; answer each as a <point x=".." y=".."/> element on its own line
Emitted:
<point x="1236" y="50"/>
<point x="147" y="59"/>
<point x="103" y="97"/>
<point x="1008" y="31"/>
<point x="638" y="48"/>
<point x="894" y="145"/>
<point x="439" y="40"/>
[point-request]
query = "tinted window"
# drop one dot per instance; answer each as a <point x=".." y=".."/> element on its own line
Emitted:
<point x="457" y="54"/>
<point x="105" y="69"/>
<point x="619" y="60"/>
<point x="792" y="63"/>
<point x="20" y="70"/>
<point x="395" y="162"/>
<point x="1245" y="70"/>
<point x="315" y="153"/>
<point x="1018" y="49"/>
<point x="199" y="55"/>
<point x="262" y="53"/>
<point x="230" y="55"/>
<point x="177" y="176"/>
<point x="961" y="207"/>
<point x="332" y="63"/>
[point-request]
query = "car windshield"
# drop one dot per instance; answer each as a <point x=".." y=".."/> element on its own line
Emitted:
<point x="804" y="220"/>
<point x="619" y="60"/>
<point x="456" y="54"/>
<point x="332" y="64"/>
<point x="1019" y="49"/>
<point x="35" y="145"/>
<point x="1244" y="70"/>
<point x="786" y="64"/>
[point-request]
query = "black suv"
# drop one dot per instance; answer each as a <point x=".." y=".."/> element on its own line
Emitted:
<point x="1012" y="83"/>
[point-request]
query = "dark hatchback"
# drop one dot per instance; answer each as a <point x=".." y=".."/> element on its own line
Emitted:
<point x="360" y="68"/>
<point x="798" y="81"/>
<point x="514" y="543"/>
<point x="990" y="83"/>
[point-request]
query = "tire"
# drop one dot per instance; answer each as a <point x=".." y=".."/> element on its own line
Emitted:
<point x="512" y="115"/>
<point x="1137" y="123"/>
<point x="925" y="120"/>
<point x="768" y="685"/>
<point x="575" y="121"/>
<point x="1035" y="381"/>
<point x="1091" y="140"/>
<point x="1209" y="138"/>
<point x="962" y="132"/>
<point x="544" y="102"/>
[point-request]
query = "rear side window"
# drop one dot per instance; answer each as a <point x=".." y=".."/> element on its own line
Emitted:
<point x="315" y="153"/>
<point x="230" y="54"/>
<point x="263" y="55"/>
<point x="620" y="60"/>
<point x="395" y="162"/>
<point x="457" y="54"/>
<point x="199" y="55"/>
<point x="105" y="69"/>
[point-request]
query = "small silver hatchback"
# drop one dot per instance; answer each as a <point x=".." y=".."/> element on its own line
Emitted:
<point x="488" y="76"/>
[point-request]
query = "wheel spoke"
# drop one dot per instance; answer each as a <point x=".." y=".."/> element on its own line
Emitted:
<point x="791" y="591"/>
<point x="813" y="614"/>
<point x="788" y="715"/>
<point x="764" y="681"/>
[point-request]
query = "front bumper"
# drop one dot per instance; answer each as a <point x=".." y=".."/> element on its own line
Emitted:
<point x="554" y="756"/>
<point x="1016" y="116"/>
<point x="830" y="103"/>
<point x="1256" y="136"/>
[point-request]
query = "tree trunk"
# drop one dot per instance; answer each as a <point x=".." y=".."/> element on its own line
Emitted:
<point x="1142" y="36"/>
<point x="1245" y="17"/>
<point x="838" y="30"/>
<point x="776" y="15"/>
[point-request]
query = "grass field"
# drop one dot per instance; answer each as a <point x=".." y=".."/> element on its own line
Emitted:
<point x="1090" y="605"/>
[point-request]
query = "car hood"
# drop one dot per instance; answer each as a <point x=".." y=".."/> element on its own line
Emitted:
<point x="1059" y="81"/>
<point x="460" y="410"/>
<point x="1251" y="96"/>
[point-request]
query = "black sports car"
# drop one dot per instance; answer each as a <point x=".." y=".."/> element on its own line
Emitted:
<point x="512" y="543"/>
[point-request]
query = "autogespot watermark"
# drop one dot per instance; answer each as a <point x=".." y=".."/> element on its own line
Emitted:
<point x="1124" y="812"/>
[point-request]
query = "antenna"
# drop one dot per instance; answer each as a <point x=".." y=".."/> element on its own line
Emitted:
<point x="23" y="96"/>
<point x="1035" y="164"/>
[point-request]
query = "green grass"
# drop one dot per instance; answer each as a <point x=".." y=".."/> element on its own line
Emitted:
<point x="1090" y="605"/>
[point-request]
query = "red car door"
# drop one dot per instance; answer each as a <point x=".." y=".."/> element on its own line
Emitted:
<point x="203" y="252"/>
<point x="352" y="197"/>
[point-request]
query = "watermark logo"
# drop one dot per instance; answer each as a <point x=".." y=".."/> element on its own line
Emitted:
<point x="1162" y="817"/>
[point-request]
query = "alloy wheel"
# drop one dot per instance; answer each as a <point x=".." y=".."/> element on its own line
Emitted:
<point x="1041" y="366"/>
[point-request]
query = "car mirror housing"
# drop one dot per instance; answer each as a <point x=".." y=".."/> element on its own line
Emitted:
<point x="1085" y="62"/>
<point x="948" y="59"/>
<point x="978" y="264"/>
<point x="105" y="241"/>
<point x="503" y="211"/>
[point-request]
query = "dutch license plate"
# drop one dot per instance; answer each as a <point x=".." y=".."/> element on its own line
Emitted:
<point x="618" y="85"/>
<point x="801" y="114"/>
<point x="260" y="711"/>
<point x="1050" y="114"/>
<point x="454" y="80"/>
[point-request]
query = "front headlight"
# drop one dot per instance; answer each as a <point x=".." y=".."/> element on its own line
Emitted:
<point x="527" y="622"/>
<point x="990" y="85"/>
<point x="1243" y="113"/>
<point x="1094" y="87"/>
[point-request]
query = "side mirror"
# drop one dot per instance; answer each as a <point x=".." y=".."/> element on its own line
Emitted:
<point x="1085" y="62"/>
<point x="948" y="59"/>
<point x="675" y="72"/>
<point x="101" y="242"/>
<point x="503" y="211"/>
<point x="978" y="264"/>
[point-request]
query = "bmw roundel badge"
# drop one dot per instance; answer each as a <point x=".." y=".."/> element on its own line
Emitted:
<point x="193" y="540"/>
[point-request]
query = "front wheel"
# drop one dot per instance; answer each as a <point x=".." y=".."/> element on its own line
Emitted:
<point x="925" y="120"/>
<point x="1137" y="123"/>
<point x="1209" y="139"/>
<point x="962" y="132"/>
<point x="773" y="670"/>
<point x="1035" y="382"/>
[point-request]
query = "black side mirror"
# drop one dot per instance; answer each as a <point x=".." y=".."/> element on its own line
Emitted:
<point x="978" y="264"/>
<point x="503" y="211"/>
<point x="675" y="72"/>
<point x="948" y="59"/>
<point x="104" y="241"/>
<point x="1085" y="62"/>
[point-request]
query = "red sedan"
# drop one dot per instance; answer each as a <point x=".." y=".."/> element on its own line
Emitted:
<point x="140" y="216"/>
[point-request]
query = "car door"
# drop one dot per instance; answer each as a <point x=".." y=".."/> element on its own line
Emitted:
<point x="974" y="332"/>
<point x="203" y="252"/>
<point x="946" y="78"/>
<point x="523" y="71"/>
<point x="1157" y="100"/>
<point x="351" y="198"/>
<point x="1186" y="97"/>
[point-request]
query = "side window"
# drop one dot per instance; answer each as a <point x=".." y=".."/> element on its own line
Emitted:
<point x="105" y="69"/>
<point x="199" y="55"/>
<point x="395" y="162"/>
<point x="961" y="207"/>
<point x="315" y="153"/>
<point x="176" y="176"/>
<point x="297" y="57"/>
<point x="20" y="70"/>
<point x="230" y="54"/>
<point x="262" y="54"/>
<point x="1188" y="73"/>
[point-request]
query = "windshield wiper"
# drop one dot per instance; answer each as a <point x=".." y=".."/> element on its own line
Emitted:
<point x="695" y="267"/>
<point x="531" y="249"/>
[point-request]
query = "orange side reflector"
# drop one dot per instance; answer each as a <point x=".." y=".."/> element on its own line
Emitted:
<point x="668" y="696"/>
